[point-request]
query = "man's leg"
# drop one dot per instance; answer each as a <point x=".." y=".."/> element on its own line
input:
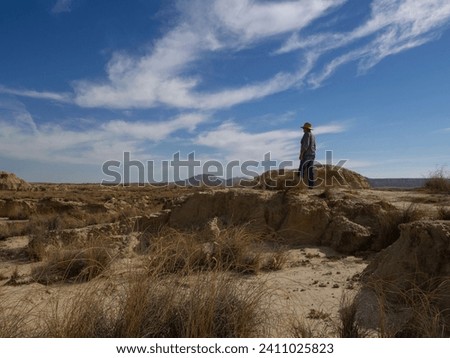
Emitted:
<point x="303" y="171"/>
<point x="310" y="171"/>
<point x="300" y="169"/>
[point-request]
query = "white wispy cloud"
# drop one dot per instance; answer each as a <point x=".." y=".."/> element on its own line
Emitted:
<point x="22" y="138"/>
<point x="158" y="78"/>
<point x="166" y="74"/>
<point x="62" y="6"/>
<point x="251" y="20"/>
<point x="393" y="27"/>
<point x="153" y="131"/>
<point x="236" y="143"/>
<point x="53" y="96"/>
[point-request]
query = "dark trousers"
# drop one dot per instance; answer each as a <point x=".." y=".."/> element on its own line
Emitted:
<point x="307" y="166"/>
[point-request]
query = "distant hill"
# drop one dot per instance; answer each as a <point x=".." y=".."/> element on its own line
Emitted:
<point x="397" y="182"/>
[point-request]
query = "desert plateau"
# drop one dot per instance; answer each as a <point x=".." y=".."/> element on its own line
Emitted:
<point x="262" y="260"/>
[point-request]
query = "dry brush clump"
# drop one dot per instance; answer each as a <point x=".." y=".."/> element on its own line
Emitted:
<point x="210" y="305"/>
<point x="438" y="181"/>
<point x="76" y="262"/>
<point x="347" y="325"/>
<point x="15" y="317"/>
<point x="231" y="249"/>
<point x="414" y="309"/>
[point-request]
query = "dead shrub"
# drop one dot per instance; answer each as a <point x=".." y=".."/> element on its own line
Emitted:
<point x="233" y="249"/>
<point x="15" y="317"/>
<point x="299" y="328"/>
<point x="438" y="181"/>
<point x="204" y="306"/>
<point x="412" y="308"/>
<point x="87" y="314"/>
<point x="236" y="249"/>
<point x="211" y="306"/>
<point x="276" y="260"/>
<point x="218" y="307"/>
<point x="175" y="252"/>
<point x="72" y="264"/>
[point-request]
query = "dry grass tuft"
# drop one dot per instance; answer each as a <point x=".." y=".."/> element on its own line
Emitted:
<point x="206" y="306"/>
<point x="233" y="249"/>
<point x="413" y="308"/>
<point x="389" y="224"/>
<point x="15" y="317"/>
<point x="348" y="326"/>
<point x="73" y="264"/>
<point x="174" y="252"/>
<point x="299" y="328"/>
<point x="85" y="315"/>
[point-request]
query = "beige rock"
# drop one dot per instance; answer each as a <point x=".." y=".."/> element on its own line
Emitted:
<point x="296" y="219"/>
<point x="407" y="286"/>
<point x="9" y="181"/>
<point x="346" y="236"/>
<point x="16" y="209"/>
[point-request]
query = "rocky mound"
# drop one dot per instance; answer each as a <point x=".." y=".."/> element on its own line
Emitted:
<point x="407" y="286"/>
<point x="327" y="176"/>
<point x="346" y="223"/>
<point x="9" y="181"/>
<point x="300" y="219"/>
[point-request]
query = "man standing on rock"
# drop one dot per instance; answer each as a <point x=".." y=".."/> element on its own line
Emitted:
<point x="307" y="154"/>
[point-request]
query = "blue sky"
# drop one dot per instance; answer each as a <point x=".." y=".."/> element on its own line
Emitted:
<point x="83" y="81"/>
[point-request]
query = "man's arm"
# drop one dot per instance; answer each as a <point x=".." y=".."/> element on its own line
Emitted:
<point x="304" y="145"/>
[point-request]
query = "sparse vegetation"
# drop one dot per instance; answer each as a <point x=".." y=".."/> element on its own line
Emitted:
<point x="443" y="213"/>
<point x="205" y="306"/>
<point x="348" y="326"/>
<point x="389" y="224"/>
<point x="73" y="263"/>
<point x="122" y="279"/>
<point x="299" y="328"/>
<point x="233" y="249"/>
<point x="420" y="304"/>
<point x="438" y="181"/>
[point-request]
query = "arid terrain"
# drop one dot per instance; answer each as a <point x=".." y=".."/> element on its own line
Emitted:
<point x="271" y="259"/>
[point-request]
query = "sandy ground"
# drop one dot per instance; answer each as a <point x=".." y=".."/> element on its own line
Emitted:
<point x="309" y="288"/>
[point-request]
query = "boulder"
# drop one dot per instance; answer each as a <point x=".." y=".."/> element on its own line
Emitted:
<point x="347" y="237"/>
<point x="406" y="288"/>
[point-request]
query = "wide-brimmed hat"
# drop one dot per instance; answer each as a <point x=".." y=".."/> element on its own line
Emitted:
<point x="307" y="126"/>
